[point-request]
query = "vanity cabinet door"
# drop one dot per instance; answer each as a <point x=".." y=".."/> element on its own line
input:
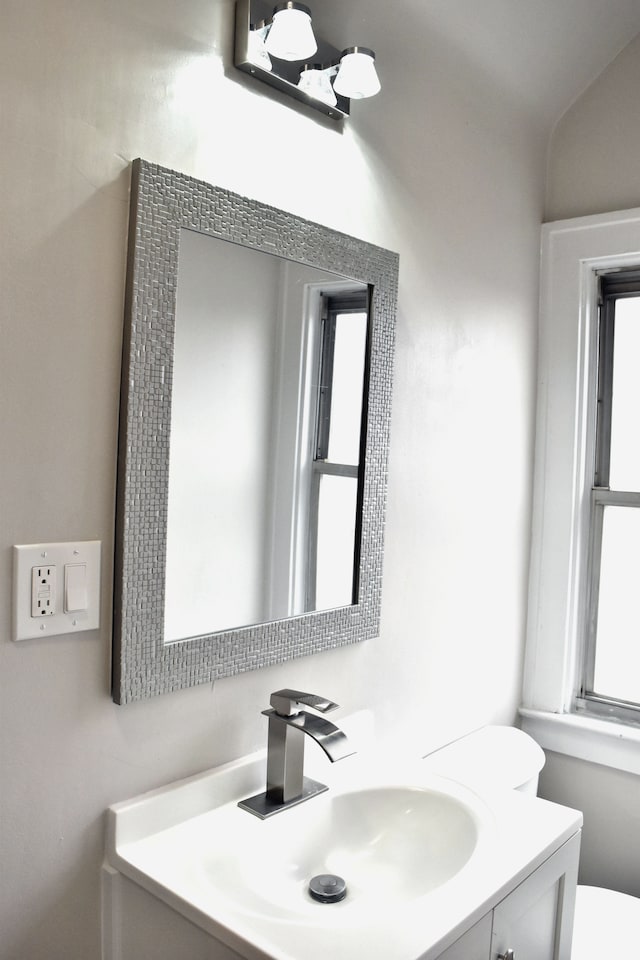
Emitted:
<point x="535" y="922"/>
<point x="473" y="945"/>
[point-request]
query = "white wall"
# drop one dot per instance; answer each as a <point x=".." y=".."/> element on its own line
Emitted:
<point x="593" y="168"/>
<point x="451" y="178"/>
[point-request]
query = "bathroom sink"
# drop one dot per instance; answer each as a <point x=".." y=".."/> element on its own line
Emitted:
<point x="421" y="857"/>
<point x="395" y="842"/>
<point x="389" y="844"/>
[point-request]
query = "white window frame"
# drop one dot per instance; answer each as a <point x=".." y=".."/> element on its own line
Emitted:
<point x="574" y="254"/>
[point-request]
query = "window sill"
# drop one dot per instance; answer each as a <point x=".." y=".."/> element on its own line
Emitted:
<point x="587" y="738"/>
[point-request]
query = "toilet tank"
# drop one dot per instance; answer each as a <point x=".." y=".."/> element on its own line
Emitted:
<point x="493" y="756"/>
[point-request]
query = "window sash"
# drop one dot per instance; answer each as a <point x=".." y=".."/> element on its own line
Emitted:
<point x="587" y="695"/>
<point x="612" y="288"/>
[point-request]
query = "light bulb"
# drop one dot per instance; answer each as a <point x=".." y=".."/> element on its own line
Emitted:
<point x="291" y="36"/>
<point x="315" y="83"/>
<point x="357" y="77"/>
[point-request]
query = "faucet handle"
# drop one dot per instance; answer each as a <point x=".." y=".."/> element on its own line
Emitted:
<point x="286" y="703"/>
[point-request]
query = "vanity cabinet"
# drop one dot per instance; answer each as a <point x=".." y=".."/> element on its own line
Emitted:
<point x="142" y="927"/>
<point x="534" y="922"/>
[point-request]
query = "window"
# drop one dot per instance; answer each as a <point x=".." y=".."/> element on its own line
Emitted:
<point x="582" y="677"/>
<point x="611" y="660"/>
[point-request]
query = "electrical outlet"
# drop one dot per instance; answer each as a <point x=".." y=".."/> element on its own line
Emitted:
<point x="56" y="589"/>
<point x="43" y="590"/>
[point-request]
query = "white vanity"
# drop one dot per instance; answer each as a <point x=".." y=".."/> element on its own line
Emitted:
<point x="433" y="869"/>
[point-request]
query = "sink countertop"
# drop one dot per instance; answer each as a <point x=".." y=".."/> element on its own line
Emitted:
<point x="176" y="841"/>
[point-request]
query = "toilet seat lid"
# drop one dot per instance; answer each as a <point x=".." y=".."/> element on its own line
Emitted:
<point x="606" y="924"/>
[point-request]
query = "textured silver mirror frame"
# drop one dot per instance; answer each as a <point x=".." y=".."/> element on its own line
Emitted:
<point x="162" y="203"/>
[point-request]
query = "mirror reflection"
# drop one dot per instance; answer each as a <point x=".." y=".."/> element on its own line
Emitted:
<point x="266" y="438"/>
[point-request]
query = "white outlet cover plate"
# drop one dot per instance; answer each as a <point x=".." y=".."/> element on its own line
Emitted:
<point x="25" y="558"/>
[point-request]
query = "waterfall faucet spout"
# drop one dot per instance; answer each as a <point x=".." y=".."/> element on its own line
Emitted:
<point x="288" y="725"/>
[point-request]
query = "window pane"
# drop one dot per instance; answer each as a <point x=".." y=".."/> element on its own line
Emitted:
<point x="336" y="538"/>
<point x="617" y="664"/>
<point x="625" y="449"/>
<point x="346" y="397"/>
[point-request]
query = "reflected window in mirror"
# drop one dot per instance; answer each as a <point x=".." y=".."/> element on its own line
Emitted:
<point x="266" y="437"/>
<point x="333" y="533"/>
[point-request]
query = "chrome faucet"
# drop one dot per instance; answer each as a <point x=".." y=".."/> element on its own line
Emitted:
<point x="288" y="723"/>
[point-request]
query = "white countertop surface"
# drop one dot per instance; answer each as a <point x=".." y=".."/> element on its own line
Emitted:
<point x="180" y="843"/>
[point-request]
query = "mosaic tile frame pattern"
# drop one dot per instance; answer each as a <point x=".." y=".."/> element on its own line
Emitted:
<point x="162" y="203"/>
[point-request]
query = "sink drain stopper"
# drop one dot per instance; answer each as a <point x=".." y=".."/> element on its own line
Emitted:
<point x="327" y="888"/>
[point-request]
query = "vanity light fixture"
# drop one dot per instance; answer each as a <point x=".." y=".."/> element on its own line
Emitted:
<point x="314" y="81"/>
<point x="357" y="77"/>
<point x="257" y="49"/>
<point x="278" y="46"/>
<point x="290" y="36"/>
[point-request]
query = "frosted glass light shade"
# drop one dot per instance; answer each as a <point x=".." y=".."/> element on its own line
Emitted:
<point x="357" y="77"/>
<point x="291" y="36"/>
<point x="315" y="82"/>
<point x="257" y="52"/>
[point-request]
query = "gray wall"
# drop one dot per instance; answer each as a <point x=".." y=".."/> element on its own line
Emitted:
<point x="452" y="180"/>
<point x="593" y="168"/>
<point x="610" y="802"/>
<point x="593" y="158"/>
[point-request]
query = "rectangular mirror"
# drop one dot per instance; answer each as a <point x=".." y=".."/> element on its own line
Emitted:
<point x="256" y="393"/>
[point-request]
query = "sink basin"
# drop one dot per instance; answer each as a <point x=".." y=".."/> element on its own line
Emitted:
<point x="422" y="857"/>
<point x="389" y="844"/>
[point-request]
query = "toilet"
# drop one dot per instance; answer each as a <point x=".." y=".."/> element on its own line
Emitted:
<point x="606" y="923"/>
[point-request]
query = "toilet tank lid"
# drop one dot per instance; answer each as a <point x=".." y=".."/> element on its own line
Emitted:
<point x="493" y="756"/>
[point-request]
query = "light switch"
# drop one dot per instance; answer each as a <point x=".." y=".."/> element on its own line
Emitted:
<point x="46" y="604"/>
<point x="75" y="587"/>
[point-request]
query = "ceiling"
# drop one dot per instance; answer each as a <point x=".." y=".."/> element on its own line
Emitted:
<point x="542" y="53"/>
